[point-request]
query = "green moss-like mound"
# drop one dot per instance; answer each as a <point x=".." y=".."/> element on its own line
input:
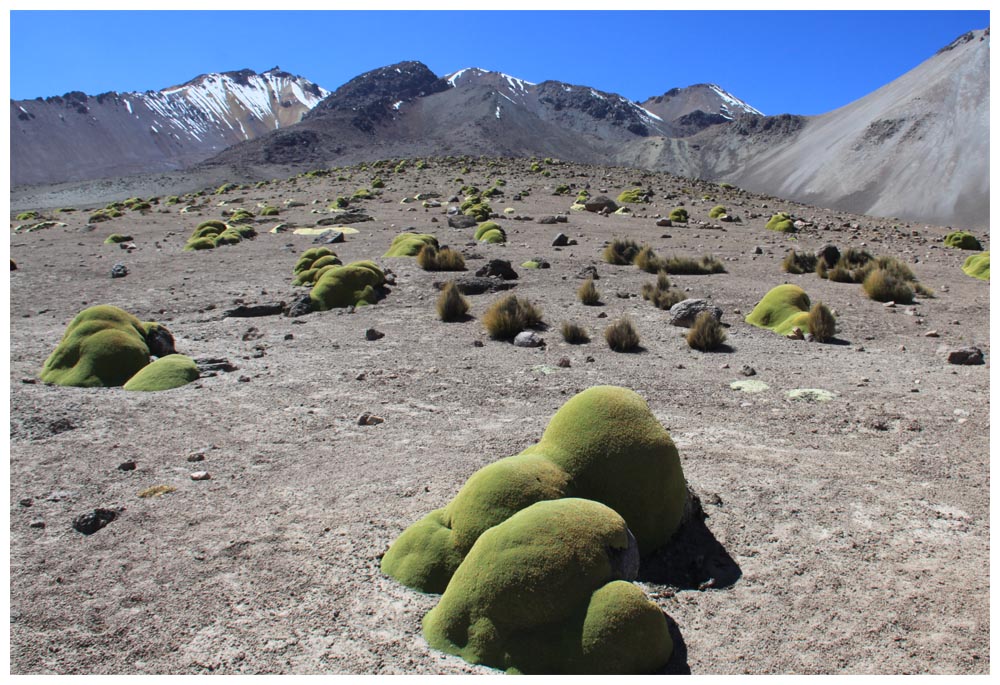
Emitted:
<point x="633" y="196"/>
<point x="978" y="266"/>
<point x="228" y="237"/>
<point x="543" y="593"/>
<point x="716" y="211"/>
<point x="781" y="222"/>
<point x="206" y="243"/>
<point x="116" y="238"/>
<point x="490" y="232"/>
<point x="963" y="240"/>
<point x="410" y="244"/>
<point x="312" y="263"/>
<point x="784" y="308"/>
<point x="480" y="211"/>
<point x="604" y="444"/>
<point x="356" y="284"/>
<point x="679" y="215"/>
<point x="103" y="346"/>
<point x="165" y="373"/>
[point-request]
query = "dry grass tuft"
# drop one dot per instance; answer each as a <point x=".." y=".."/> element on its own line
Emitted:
<point x="821" y="322"/>
<point x="621" y="335"/>
<point x="509" y="315"/>
<point x="706" y="334"/>
<point x="431" y="258"/>
<point x="451" y="304"/>
<point x="574" y="334"/>
<point x="588" y="293"/>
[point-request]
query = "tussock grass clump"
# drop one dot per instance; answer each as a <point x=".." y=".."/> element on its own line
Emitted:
<point x="799" y="262"/>
<point x="621" y="335"/>
<point x="451" y="304"/>
<point x="707" y="264"/>
<point x="884" y="286"/>
<point x="510" y="315"/>
<point x="621" y="251"/>
<point x="574" y="334"/>
<point x="706" y="333"/>
<point x="660" y="293"/>
<point x="679" y="214"/>
<point x="588" y="293"/>
<point x="445" y="259"/>
<point x="648" y="261"/>
<point x="822" y="324"/>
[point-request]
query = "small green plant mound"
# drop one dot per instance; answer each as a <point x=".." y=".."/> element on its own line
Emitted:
<point x="312" y="263"/>
<point x="681" y="266"/>
<point x="103" y="346"/>
<point x="963" y="240"/>
<point x="799" y="262"/>
<point x="822" y="323"/>
<point x="882" y="285"/>
<point x="200" y="244"/>
<point x="241" y="216"/>
<point x="431" y="258"/>
<point x="782" y="222"/>
<point x="562" y="190"/>
<point x="165" y="373"/>
<point x="116" y="238"/>
<point x="103" y="215"/>
<point x="451" y="304"/>
<point x="377" y="182"/>
<point x="978" y="266"/>
<point x="621" y="251"/>
<point x="716" y="211"/>
<point x="510" y="315"/>
<point x="573" y="333"/>
<point x="604" y="444"/>
<point x="492" y="192"/>
<point x="679" y="214"/>
<point x="362" y="194"/>
<point x="544" y="593"/>
<point x="409" y="244"/>
<point x="588" y="293"/>
<point x="480" y="211"/>
<point x="621" y="336"/>
<point x="340" y="203"/>
<point x="784" y="308"/>
<point x="632" y="196"/>
<point x="28" y="216"/>
<point x="270" y="211"/>
<point x="490" y="232"/>
<point x="706" y="333"/>
<point x="660" y="293"/>
<point x="536" y="167"/>
<point x="355" y="284"/>
<point x="226" y="188"/>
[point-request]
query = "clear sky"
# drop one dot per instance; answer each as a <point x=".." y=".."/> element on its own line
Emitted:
<point x="802" y="62"/>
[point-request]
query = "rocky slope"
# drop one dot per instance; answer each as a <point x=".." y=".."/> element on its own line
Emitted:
<point x="78" y="136"/>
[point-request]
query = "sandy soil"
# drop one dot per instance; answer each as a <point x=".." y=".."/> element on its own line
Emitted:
<point x="849" y="536"/>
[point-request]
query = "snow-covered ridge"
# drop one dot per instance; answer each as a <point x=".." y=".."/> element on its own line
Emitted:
<point x="516" y="85"/>
<point x="731" y="101"/>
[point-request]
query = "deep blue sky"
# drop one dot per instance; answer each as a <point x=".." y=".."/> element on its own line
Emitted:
<point x="799" y="62"/>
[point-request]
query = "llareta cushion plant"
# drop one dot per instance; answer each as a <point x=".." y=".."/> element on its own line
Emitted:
<point x="105" y="346"/>
<point x="604" y="444"/>
<point x="547" y="591"/>
<point x="355" y="284"/>
<point x="783" y="309"/>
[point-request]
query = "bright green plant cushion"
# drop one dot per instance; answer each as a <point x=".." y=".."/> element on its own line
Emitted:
<point x="604" y="444"/>
<point x="978" y="266"/>
<point x="781" y="222"/>
<point x="784" y="308"/>
<point x="962" y="240"/>
<point x="545" y="592"/>
<point x="491" y="232"/>
<point x="102" y="346"/>
<point x="409" y="244"/>
<point x="355" y="284"/>
<point x="631" y="196"/>
<point x="165" y="373"/>
<point x="310" y="264"/>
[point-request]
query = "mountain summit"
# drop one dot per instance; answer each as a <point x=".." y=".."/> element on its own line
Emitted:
<point x="77" y="136"/>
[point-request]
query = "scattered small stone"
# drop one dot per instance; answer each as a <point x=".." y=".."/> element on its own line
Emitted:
<point x="299" y="307"/>
<point x="200" y="475"/>
<point x="254" y="310"/>
<point x="119" y="270"/>
<point x="758" y="250"/>
<point x="372" y="334"/>
<point x="548" y="220"/>
<point x="602" y="315"/>
<point x="890" y="304"/>
<point x="197" y="456"/>
<point x="477" y="343"/>
<point x="289" y="336"/>
<point x="462" y="221"/>
<point x="966" y="356"/>
<point x="561" y="240"/>
<point x="724" y="366"/>
<point x="369" y="419"/>
<point x="932" y="334"/>
<point x="127" y="465"/>
<point x="796" y="334"/>
<point x="38" y="523"/>
<point x="748" y="370"/>
<point x="329" y="237"/>
<point x="528" y="339"/>
<point x="26" y="502"/>
<point x="563" y="363"/>
<point x="664" y="222"/>
<point x="589" y="359"/>
<point x="706" y="584"/>
<point x="252" y="333"/>
<point x="243" y="379"/>
<point x="92" y="521"/>
<point x="589" y="272"/>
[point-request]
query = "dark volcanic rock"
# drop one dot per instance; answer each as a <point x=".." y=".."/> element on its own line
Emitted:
<point x="477" y="285"/>
<point x="92" y="521"/>
<point x="461" y="221"/>
<point x="966" y="356"/>
<point x="499" y="268"/>
<point x="685" y="312"/>
<point x="600" y="203"/>
<point x="252" y="310"/>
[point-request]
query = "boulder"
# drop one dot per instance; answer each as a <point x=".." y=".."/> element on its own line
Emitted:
<point x="829" y="254"/>
<point x="561" y="240"/>
<point x="600" y="203"/>
<point x="499" y="268"/>
<point x="528" y="339"/>
<point x="966" y="356"/>
<point x="686" y="311"/>
<point x="462" y="221"/>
